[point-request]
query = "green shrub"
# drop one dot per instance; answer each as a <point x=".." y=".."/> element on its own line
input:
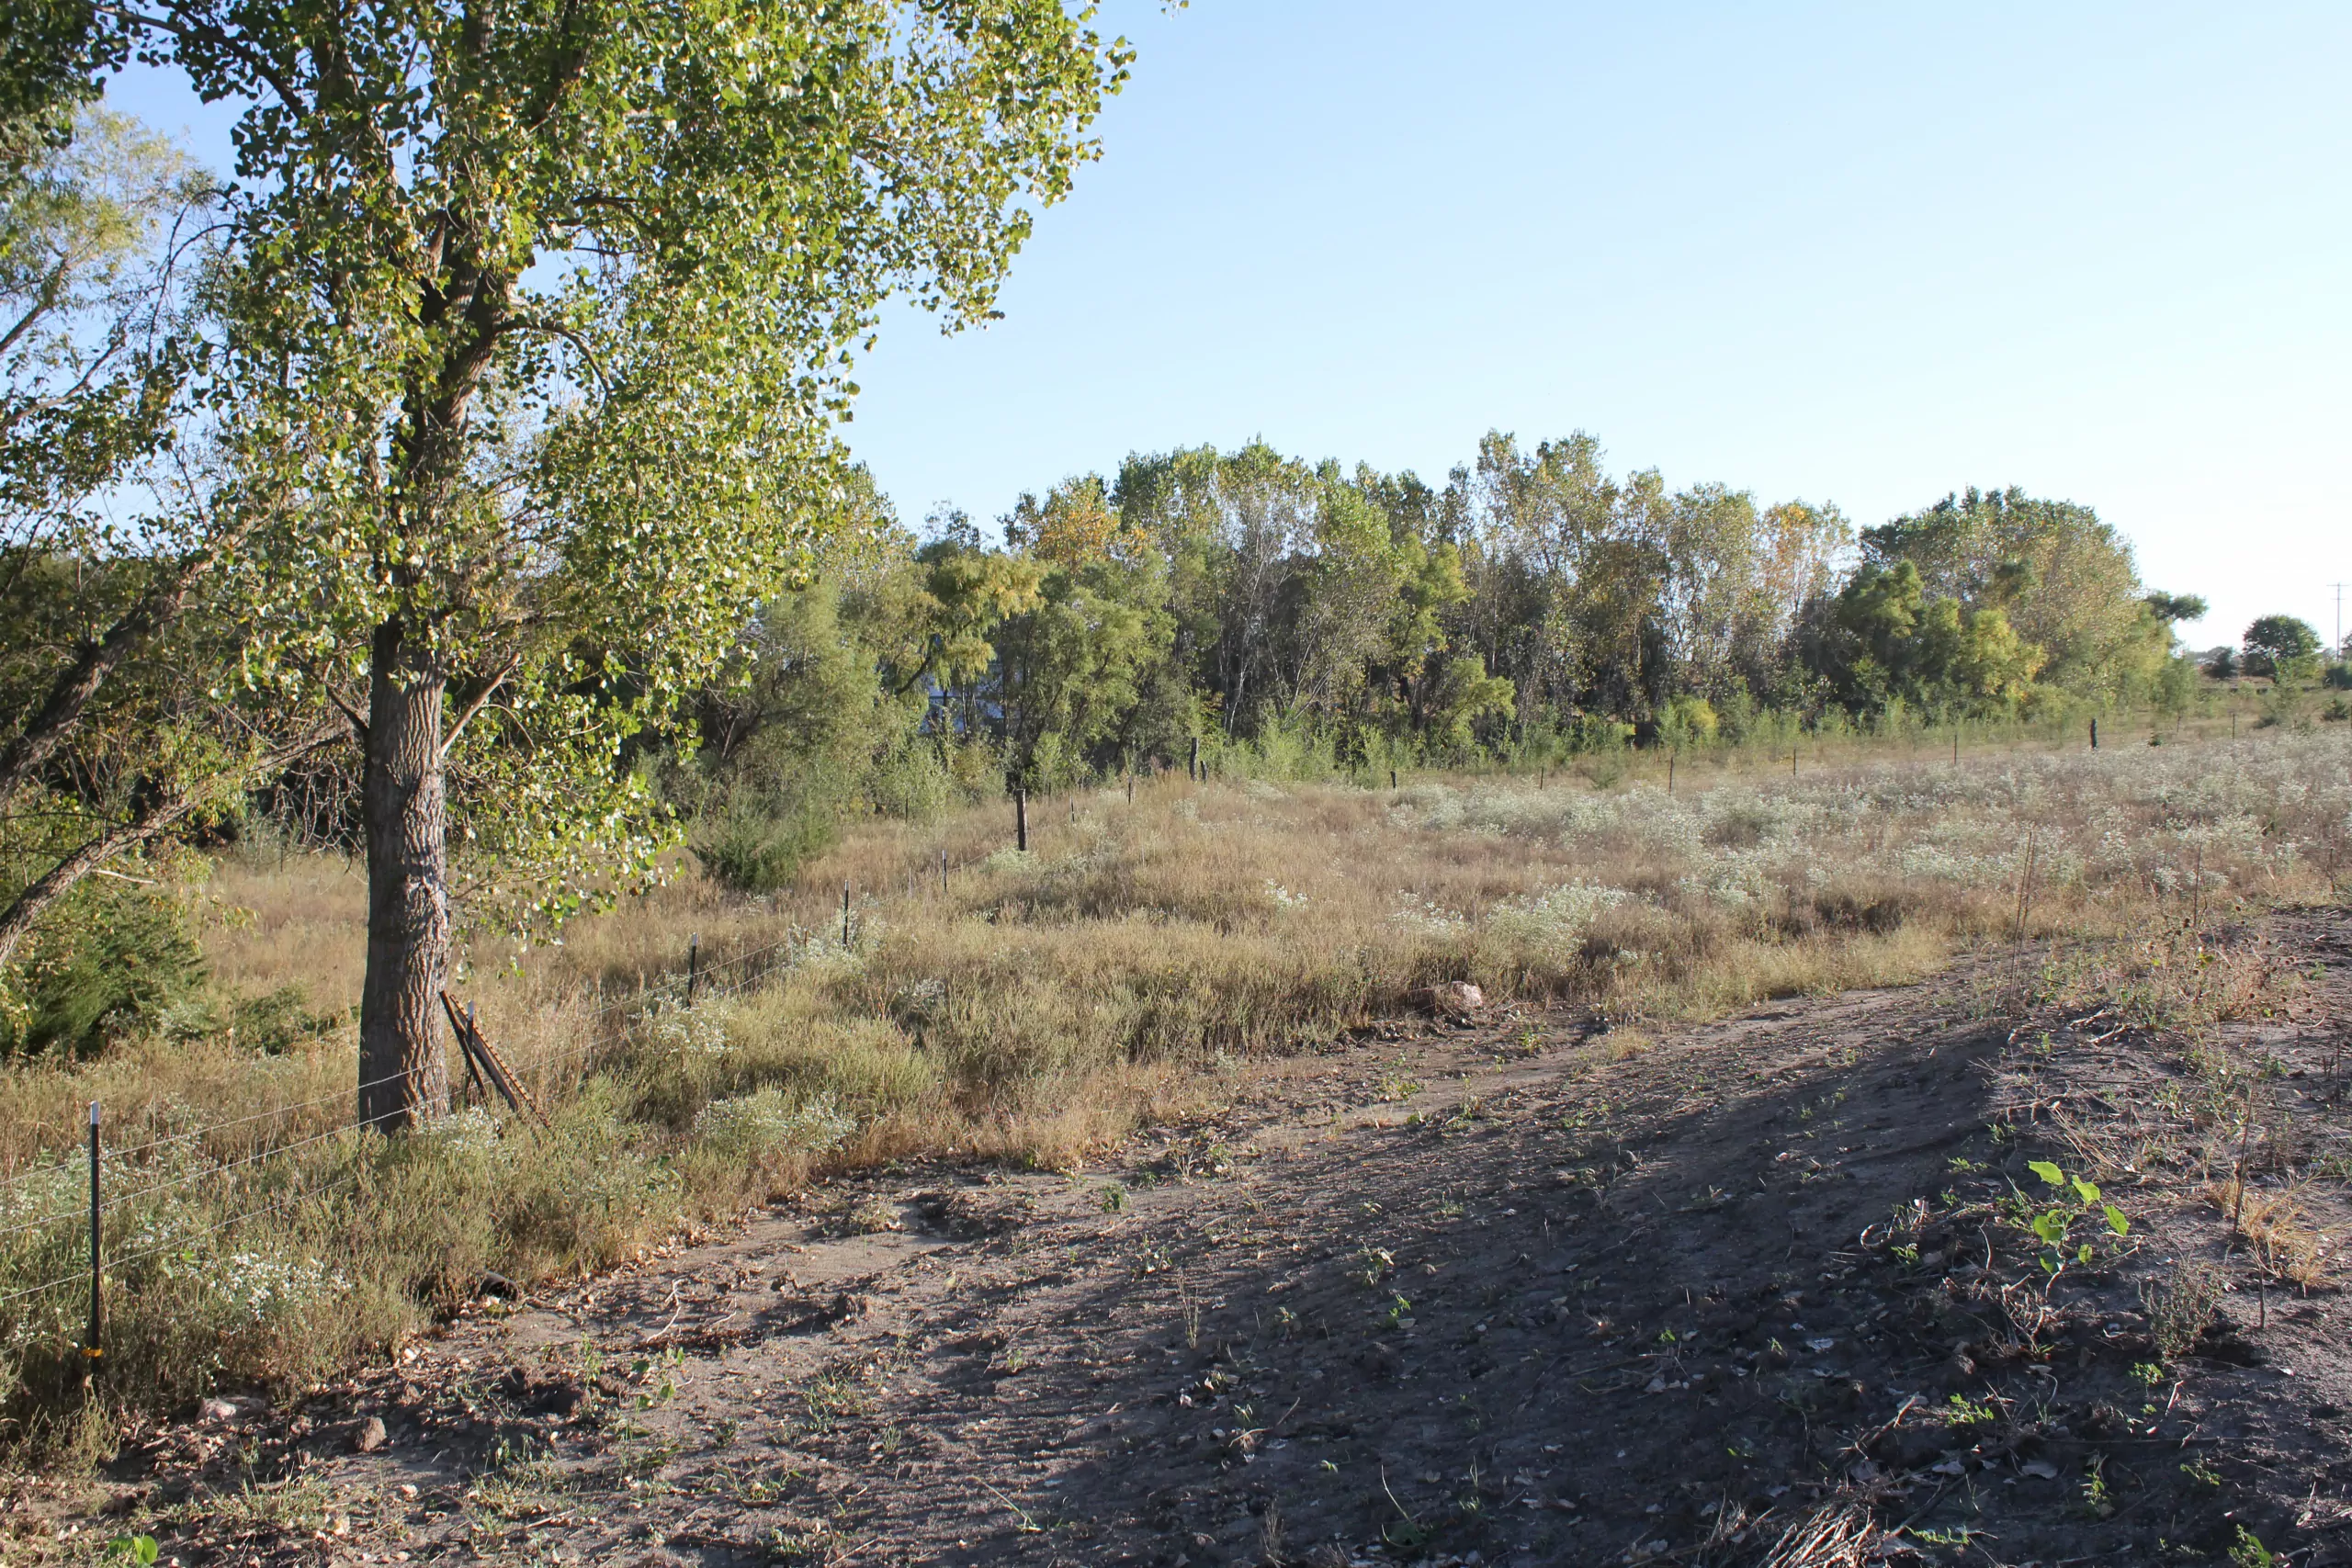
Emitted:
<point x="757" y="1146"/>
<point x="756" y="850"/>
<point x="1689" y="720"/>
<point x="110" y="956"/>
<point x="270" y="1024"/>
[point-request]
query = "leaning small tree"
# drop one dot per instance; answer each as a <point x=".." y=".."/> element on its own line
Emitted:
<point x="116" y="727"/>
<point x="544" y="309"/>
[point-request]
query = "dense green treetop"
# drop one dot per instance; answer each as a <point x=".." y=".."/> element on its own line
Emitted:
<point x="540" y="317"/>
<point x="2283" y="646"/>
<point x="2064" y="580"/>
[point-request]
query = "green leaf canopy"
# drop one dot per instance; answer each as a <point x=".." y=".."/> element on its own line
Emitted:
<point x="538" y="318"/>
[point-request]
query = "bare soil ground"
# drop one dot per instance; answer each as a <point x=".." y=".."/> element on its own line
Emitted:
<point x="1496" y="1293"/>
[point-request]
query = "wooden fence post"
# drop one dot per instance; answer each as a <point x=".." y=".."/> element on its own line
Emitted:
<point x="482" y="1057"/>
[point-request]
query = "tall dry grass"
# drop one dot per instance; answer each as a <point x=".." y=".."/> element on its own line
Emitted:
<point x="1035" y="1007"/>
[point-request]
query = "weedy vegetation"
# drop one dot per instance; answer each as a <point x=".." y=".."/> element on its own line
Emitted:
<point x="1043" y="1004"/>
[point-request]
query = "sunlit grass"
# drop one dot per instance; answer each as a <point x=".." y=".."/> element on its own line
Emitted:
<point x="1037" y="1007"/>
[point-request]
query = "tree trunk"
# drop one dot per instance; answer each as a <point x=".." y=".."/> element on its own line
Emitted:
<point x="402" y="1077"/>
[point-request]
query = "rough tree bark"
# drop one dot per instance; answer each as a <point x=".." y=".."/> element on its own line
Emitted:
<point x="404" y="1077"/>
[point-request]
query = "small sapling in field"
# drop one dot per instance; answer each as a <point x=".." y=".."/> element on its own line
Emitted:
<point x="2098" y="1497"/>
<point x="2180" y="1306"/>
<point x="1966" y="1412"/>
<point x="2071" y="1201"/>
<point x="657" y="1377"/>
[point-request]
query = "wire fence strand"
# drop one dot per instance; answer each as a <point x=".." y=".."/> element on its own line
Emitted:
<point x="728" y="977"/>
<point x="215" y="1228"/>
<point x="281" y="1202"/>
<point x="80" y="1278"/>
<point x="649" y="992"/>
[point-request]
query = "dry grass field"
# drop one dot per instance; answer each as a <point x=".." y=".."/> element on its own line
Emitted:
<point x="1036" y="1009"/>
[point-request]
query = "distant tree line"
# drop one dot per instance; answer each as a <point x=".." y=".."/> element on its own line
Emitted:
<point x="1533" y="604"/>
<point x="2278" y="648"/>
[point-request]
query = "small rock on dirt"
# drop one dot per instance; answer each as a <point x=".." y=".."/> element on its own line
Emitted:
<point x="1456" y="998"/>
<point x="217" y="1413"/>
<point x="369" y="1436"/>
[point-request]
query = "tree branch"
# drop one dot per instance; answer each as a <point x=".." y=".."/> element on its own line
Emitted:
<point x="480" y="701"/>
<point x="342" y="705"/>
<point x="557" y="330"/>
<point x="71" y="692"/>
<point x="150" y="822"/>
<point x="44" y="301"/>
<point x="213" y="38"/>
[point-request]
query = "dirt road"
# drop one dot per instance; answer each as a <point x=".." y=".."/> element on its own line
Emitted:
<point x="1762" y="1290"/>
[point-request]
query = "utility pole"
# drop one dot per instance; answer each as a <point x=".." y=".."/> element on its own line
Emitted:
<point x="2339" y="618"/>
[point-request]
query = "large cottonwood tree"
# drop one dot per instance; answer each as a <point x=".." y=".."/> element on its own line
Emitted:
<point x="545" y="308"/>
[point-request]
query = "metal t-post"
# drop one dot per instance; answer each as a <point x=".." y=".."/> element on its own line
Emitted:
<point x="94" y="1347"/>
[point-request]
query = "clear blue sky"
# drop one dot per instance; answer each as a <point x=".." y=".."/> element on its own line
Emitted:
<point x="1865" y="253"/>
